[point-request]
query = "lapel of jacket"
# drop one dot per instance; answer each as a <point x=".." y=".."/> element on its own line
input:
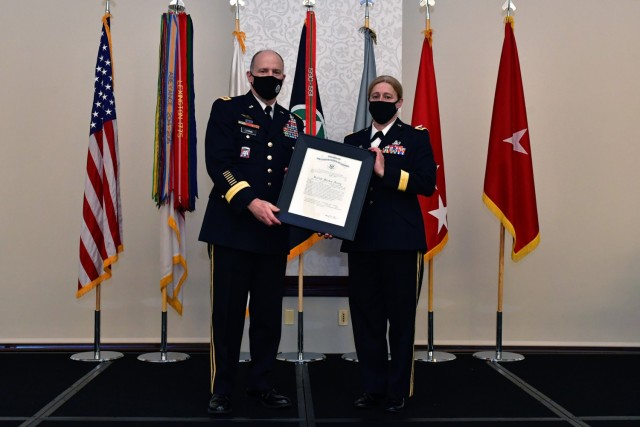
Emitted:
<point x="363" y="138"/>
<point x="280" y="118"/>
<point x="252" y="106"/>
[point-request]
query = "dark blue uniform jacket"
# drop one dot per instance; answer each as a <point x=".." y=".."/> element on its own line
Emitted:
<point x="391" y="218"/>
<point x="246" y="158"/>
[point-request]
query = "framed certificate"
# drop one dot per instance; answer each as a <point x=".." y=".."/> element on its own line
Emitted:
<point x="325" y="186"/>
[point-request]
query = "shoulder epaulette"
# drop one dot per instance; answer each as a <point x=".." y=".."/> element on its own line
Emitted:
<point x="225" y="98"/>
<point x="420" y="127"/>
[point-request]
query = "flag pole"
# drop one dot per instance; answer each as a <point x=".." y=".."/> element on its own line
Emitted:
<point x="430" y="355"/>
<point x="366" y="15"/>
<point x="163" y="356"/>
<point x="245" y="356"/>
<point x="97" y="355"/>
<point x="498" y="355"/>
<point x="364" y="119"/>
<point x="301" y="356"/>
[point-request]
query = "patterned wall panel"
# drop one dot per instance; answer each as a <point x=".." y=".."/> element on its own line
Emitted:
<point x="277" y="25"/>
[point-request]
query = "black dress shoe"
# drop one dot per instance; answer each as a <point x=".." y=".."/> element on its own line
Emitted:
<point x="394" y="404"/>
<point x="368" y="400"/>
<point x="270" y="398"/>
<point x="219" y="404"/>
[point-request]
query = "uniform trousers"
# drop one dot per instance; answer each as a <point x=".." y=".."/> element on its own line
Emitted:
<point x="383" y="291"/>
<point x="235" y="274"/>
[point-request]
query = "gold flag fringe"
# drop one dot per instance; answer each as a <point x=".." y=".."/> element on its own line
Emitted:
<point x="241" y="36"/>
<point x="510" y="20"/>
<point x="428" y="34"/>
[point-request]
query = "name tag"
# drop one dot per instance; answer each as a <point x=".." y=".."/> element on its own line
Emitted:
<point x="248" y="131"/>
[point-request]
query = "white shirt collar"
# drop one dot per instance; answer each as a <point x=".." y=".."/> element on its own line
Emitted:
<point x="384" y="132"/>
<point x="263" y="105"/>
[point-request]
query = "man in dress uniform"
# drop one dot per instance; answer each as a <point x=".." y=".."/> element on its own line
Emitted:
<point x="249" y="143"/>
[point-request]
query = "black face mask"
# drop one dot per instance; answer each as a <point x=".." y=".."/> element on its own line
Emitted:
<point x="382" y="111"/>
<point x="268" y="87"/>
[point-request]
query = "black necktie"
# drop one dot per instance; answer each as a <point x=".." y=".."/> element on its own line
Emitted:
<point x="378" y="134"/>
<point x="267" y="111"/>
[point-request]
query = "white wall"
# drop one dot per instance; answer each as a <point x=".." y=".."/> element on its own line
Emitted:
<point x="579" y="67"/>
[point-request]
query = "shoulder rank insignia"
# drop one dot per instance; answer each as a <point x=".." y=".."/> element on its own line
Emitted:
<point x="225" y="98"/>
<point x="420" y="127"/>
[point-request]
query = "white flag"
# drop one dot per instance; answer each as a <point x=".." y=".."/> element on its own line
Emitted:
<point x="238" y="83"/>
<point x="173" y="253"/>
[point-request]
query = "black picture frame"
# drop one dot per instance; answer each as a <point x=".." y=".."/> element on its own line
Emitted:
<point x="332" y="152"/>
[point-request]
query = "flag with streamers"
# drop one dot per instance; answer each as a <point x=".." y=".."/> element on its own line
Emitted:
<point x="174" y="173"/>
<point x="101" y="231"/>
<point x="509" y="190"/>
<point x="305" y="103"/>
<point x="363" y="117"/>
<point x="426" y="114"/>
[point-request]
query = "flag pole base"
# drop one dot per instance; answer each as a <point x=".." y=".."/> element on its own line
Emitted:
<point x="498" y="356"/>
<point x="350" y="357"/>
<point x="434" y="356"/>
<point x="96" y="356"/>
<point x="353" y="357"/>
<point x="245" y="357"/>
<point x="163" y="357"/>
<point x="301" y="357"/>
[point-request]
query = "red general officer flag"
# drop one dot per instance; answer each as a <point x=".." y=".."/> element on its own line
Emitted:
<point x="509" y="190"/>
<point x="426" y="114"/>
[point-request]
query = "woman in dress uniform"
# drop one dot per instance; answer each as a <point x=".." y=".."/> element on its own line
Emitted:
<point x="386" y="257"/>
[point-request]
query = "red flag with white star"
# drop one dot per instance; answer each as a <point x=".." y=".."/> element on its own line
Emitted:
<point x="509" y="190"/>
<point x="427" y="114"/>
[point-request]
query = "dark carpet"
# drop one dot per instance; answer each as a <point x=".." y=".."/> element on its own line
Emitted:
<point x="544" y="389"/>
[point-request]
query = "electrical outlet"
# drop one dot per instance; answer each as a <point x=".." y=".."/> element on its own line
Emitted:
<point x="343" y="317"/>
<point x="288" y="316"/>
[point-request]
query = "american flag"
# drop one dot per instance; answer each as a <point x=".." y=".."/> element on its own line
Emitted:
<point x="101" y="233"/>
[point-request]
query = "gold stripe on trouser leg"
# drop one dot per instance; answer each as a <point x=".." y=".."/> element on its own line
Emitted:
<point x="212" y="359"/>
<point x="418" y="280"/>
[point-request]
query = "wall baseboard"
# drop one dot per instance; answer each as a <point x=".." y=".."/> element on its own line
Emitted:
<point x="204" y="348"/>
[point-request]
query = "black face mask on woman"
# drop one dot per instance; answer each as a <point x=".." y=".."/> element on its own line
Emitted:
<point x="382" y="111"/>
<point x="268" y="87"/>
